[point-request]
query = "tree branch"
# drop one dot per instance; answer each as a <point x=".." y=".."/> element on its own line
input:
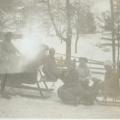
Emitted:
<point x="76" y="41"/>
<point x="77" y="31"/>
<point x="53" y="22"/>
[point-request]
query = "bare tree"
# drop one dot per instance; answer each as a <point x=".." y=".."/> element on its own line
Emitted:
<point x="69" y="18"/>
<point x="74" y="15"/>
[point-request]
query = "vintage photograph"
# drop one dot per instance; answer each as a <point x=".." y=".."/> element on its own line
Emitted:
<point x="60" y="59"/>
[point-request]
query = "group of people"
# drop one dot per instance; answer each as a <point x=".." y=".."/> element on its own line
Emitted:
<point x="8" y="58"/>
<point x="76" y="88"/>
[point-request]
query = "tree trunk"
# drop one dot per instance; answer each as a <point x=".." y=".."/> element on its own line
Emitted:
<point x="77" y="31"/>
<point x="118" y="33"/>
<point x="113" y="34"/>
<point x="68" y="50"/>
<point x="77" y="37"/>
<point x="69" y="32"/>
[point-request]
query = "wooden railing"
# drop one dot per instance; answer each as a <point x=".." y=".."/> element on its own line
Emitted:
<point x="95" y="66"/>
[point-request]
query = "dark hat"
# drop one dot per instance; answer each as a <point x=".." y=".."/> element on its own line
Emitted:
<point x="83" y="59"/>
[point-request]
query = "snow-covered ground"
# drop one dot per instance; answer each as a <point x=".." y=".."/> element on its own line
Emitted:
<point x="16" y="106"/>
<point x="52" y="107"/>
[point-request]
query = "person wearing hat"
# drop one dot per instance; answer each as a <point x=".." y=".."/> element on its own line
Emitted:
<point x="8" y="55"/>
<point x="8" y="52"/>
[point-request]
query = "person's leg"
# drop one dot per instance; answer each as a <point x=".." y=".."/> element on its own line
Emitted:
<point x="3" y="82"/>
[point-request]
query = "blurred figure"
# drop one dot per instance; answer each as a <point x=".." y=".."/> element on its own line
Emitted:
<point x="8" y="51"/>
<point x="72" y="75"/>
<point x="8" y="57"/>
<point x="111" y="82"/>
<point x="74" y="91"/>
<point x="50" y="67"/>
<point x="70" y="91"/>
<point x="83" y="71"/>
<point x="89" y="93"/>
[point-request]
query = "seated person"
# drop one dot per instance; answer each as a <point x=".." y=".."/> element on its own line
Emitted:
<point x="70" y="90"/>
<point x="89" y="94"/>
<point x="50" y="67"/>
<point x="83" y="71"/>
<point x="73" y="91"/>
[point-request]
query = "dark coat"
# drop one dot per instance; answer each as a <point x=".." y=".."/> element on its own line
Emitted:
<point x="50" y="68"/>
<point x="111" y="84"/>
<point x="8" y="57"/>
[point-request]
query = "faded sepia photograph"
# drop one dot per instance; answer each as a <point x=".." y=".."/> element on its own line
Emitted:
<point x="60" y="59"/>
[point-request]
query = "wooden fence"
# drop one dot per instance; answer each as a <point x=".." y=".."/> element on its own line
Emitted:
<point x="95" y="66"/>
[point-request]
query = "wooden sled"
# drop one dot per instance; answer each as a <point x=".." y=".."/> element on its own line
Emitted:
<point x="22" y="80"/>
<point x="41" y="79"/>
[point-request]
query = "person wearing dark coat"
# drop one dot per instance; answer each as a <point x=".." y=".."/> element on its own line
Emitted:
<point x="70" y="91"/>
<point x="50" y="66"/>
<point x="74" y="91"/>
<point x="8" y="58"/>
